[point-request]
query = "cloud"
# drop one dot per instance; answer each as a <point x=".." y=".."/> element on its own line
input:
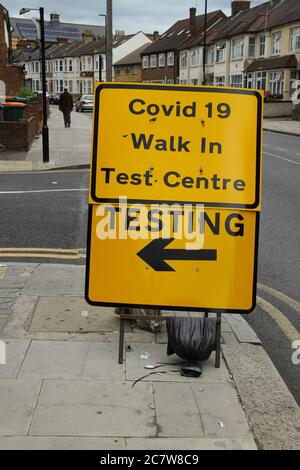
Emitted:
<point x="130" y="15"/>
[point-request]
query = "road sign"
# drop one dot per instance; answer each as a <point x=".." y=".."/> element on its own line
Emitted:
<point x="182" y="259"/>
<point x="157" y="143"/>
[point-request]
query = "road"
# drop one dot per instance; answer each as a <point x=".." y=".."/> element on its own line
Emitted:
<point x="48" y="211"/>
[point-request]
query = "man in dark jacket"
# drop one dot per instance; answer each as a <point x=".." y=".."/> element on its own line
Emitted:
<point x="66" y="106"/>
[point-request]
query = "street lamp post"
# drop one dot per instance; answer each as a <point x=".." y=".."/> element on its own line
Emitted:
<point x="204" y="45"/>
<point x="109" y="33"/>
<point x="100" y="56"/>
<point x="45" y="129"/>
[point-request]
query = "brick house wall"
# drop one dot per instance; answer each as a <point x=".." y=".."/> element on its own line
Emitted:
<point x="128" y="77"/>
<point x="17" y="135"/>
<point x="163" y="73"/>
<point x="12" y="76"/>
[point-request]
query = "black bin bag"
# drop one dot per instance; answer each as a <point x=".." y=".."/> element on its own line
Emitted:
<point x="192" y="339"/>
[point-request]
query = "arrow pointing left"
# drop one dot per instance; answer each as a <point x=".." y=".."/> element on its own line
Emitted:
<point x="155" y="254"/>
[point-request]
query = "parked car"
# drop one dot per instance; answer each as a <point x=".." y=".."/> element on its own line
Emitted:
<point x="85" y="103"/>
<point x="53" y="99"/>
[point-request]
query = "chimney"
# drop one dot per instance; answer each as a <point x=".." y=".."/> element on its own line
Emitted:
<point x="87" y="36"/>
<point x="155" y="35"/>
<point x="54" y="17"/>
<point x="192" y="20"/>
<point x="239" y="5"/>
<point x="119" y="33"/>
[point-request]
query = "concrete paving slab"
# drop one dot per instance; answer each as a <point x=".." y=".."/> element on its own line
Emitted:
<point x="101" y="362"/>
<point x="201" y="443"/>
<point x="18" y="400"/>
<point x="72" y="359"/>
<point x="72" y="314"/>
<point x="240" y="327"/>
<point x="15" y="354"/>
<point x="19" y="318"/>
<point x="3" y="268"/>
<point x="3" y="320"/>
<point x="61" y="443"/>
<point x="56" y="279"/>
<point x="94" y="408"/>
<point x="221" y="411"/>
<point x="176" y="410"/>
<point x="54" y="359"/>
<point x="135" y="366"/>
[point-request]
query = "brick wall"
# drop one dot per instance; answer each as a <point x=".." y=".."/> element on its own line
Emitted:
<point x="122" y="77"/>
<point x="35" y="110"/>
<point x="17" y="135"/>
<point x="162" y="73"/>
<point x="11" y="75"/>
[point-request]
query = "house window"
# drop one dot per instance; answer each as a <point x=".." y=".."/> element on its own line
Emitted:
<point x="238" y="48"/>
<point x="209" y="55"/>
<point x="117" y="71"/>
<point x="71" y="86"/>
<point x="89" y="61"/>
<point x="145" y="62"/>
<point x="220" y="80"/>
<point x="260" y="80"/>
<point x="36" y="67"/>
<point x="236" y="81"/>
<point x="262" y="46"/>
<point x="127" y="70"/>
<point x="250" y="80"/>
<point x="183" y="82"/>
<point x="276" y="82"/>
<point x="170" y="59"/>
<point x="293" y="83"/>
<point x="195" y="57"/>
<point x="135" y="70"/>
<point x="70" y="65"/>
<point x="220" y="54"/>
<point x="89" y="87"/>
<point x="61" y="66"/>
<point x="65" y="65"/>
<point x="183" y="60"/>
<point x="295" y="39"/>
<point x="194" y="81"/>
<point x="251" y="47"/>
<point x="162" y="60"/>
<point x="276" y="43"/>
<point x="153" y="61"/>
<point x="61" y="86"/>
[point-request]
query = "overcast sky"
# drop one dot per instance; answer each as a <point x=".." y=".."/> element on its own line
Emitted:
<point x="131" y="15"/>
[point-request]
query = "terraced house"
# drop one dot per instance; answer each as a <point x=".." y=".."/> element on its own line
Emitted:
<point x="255" y="47"/>
<point x="160" y="61"/>
<point x="76" y="65"/>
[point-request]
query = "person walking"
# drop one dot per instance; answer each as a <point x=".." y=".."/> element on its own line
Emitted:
<point x="66" y="106"/>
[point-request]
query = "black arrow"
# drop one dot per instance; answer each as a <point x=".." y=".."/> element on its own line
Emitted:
<point x="154" y="254"/>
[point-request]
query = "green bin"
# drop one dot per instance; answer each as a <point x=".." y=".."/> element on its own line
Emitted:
<point x="13" y="111"/>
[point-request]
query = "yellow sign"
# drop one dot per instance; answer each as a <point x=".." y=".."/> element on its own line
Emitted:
<point x="164" y="143"/>
<point x="172" y="257"/>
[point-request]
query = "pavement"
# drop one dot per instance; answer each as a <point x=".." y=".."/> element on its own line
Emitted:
<point x="72" y="146"/>
<point x="282" y="126"/>
<point x="68" y="146"/>
<point x="62" y="386"/>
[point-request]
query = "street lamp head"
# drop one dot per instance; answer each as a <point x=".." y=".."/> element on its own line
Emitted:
<point x="24" y="10"/>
